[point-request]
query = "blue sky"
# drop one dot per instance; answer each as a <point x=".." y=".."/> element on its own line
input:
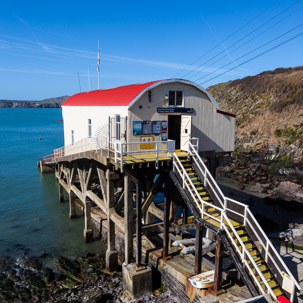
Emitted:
<point x="45" y="44"/>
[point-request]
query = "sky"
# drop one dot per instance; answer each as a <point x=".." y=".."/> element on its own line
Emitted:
<point x="49" y="48"/>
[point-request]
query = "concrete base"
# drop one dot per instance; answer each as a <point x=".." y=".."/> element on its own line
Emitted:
<point x="88" y="235"/>
<point x="137" y="282"/>
<point x="111" y="260"/>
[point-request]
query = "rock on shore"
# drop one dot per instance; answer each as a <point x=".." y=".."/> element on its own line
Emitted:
<point x="60" y="279"/>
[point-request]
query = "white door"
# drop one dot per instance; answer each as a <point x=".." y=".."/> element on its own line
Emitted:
<point x="185" y="131"/>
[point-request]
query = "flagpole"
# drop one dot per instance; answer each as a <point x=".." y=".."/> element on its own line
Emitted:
<point x="98" y="66"/>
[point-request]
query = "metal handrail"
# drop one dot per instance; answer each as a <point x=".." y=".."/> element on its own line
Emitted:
<point x="224" y="218"/>
<point x="246" y="212"/>
<point x="121" y="151"/>
<point x="185" y="175"/>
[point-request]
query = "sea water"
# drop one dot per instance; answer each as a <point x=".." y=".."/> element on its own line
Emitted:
<point x="32" y="221"/>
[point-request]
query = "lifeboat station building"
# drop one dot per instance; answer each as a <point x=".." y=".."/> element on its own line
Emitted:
<point x="126" y="147"/>
<point x="166" y="111"/>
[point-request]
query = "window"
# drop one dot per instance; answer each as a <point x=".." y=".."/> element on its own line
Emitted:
<point x="89" y="128"/>
<point x="118" y="127"/>
<point x="73" y="139"/>
<point x="175" y="98"/>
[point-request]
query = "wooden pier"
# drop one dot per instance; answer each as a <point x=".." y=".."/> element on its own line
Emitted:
<point x="117" y="199"/>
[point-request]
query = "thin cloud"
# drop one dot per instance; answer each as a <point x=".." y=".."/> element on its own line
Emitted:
<point x="29" y="47"/>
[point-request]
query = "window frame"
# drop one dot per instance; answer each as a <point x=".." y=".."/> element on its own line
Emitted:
<point x="90" y="128"/>
<point x="175" y="103"/>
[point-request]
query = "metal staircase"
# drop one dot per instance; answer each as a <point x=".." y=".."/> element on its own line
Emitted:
<point x="256" y="254"/>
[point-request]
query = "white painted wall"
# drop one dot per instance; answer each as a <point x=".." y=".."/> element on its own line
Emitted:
<point x="76" y="118"/>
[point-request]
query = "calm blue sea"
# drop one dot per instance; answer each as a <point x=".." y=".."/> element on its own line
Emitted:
<point x="31" y="218"/>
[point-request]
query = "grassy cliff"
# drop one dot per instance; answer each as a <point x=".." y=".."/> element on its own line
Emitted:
<point x="269" y="109"/>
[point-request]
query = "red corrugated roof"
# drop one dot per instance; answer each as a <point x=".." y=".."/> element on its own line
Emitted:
<point x="117" y="96"/>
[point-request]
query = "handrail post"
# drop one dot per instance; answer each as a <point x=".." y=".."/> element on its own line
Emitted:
<point x="225" y="203"/>
<point x="245" y="216"/>
<point x="205" y="179"/>
<point x="116" y="152"/>
<point x="121" y="156"/>
<point x="266" y="251"/>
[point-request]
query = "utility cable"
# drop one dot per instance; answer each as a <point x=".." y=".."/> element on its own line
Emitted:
<point x="256" y="36"/>
<point x="244" y="37"/>
<point x="252" y="51"/>
<point x="231" y="35"/>
<point x="255" y="57"/>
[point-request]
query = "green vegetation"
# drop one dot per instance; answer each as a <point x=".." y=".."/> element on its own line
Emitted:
<point x="292" y="134"/>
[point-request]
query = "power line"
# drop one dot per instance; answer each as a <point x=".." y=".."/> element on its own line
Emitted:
<point x="278" y="37"/>
<point x="245" y="43"/>
<point x="232" y="34"/>
<point x="255" y="57"/>
<point x="244" y="37"/>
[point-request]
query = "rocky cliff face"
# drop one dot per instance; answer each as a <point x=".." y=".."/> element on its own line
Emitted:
<point x="269" y="109"/>
<point x="46" y="103"/>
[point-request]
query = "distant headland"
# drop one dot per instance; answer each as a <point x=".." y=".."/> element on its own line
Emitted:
<point x="45" y="103"/>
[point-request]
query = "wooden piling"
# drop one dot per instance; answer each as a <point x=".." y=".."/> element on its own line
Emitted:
<point x="139" y="223"/>
<point x="61" y="193"/>
<point x="166" y="222"/>
<point x="198" y="248"/>
<point x="72" y="207"/>
<point x="111" y="253"/>
<point x="218" y="264"/>
<point x="128" y="220"/>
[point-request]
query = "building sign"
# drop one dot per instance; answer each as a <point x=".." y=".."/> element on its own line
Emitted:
<point x="156" y="127"/>
<point x="164" y="137"/>
<point x="145" y="142"/>
<point x="175" y="110"/>
<point x="147" y="128"/>
<point x="137" y="128"/>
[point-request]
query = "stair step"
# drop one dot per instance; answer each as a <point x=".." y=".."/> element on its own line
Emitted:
<point x="278" y="292"/>
<point x="192" y="174"/>
<point x="184" y="161"/>
<point x="244" y="239"/>
<point x="254" y="253"/>
<point x="187" y="165"/>
<point x="267" y="275"/>
<point x="200" y="188"/>
<point x="189" y="169"/>
<point x="262" y="267"/>
<point x="272" y="284"/>
<point x="258" y="260"/>
<point x="248" y="245"/>
<point x="241" y="232"/>
<point x="235" y="224"/>
<point x="194" y="179"/>
<point x="209" y="209"/>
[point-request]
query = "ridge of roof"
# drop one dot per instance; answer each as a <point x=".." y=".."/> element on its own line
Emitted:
<point x="116" y="96"/>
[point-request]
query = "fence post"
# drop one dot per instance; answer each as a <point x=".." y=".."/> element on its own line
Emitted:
<point x="225" y="203"/>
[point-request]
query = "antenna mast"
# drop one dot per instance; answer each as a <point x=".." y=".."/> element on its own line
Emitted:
<point x="98" y="66"/>
<point x="88" y="80"/>
<point x="79" y="82"/>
